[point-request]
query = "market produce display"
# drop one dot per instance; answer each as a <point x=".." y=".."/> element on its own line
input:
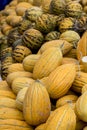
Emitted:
<point x="43" y="83"/>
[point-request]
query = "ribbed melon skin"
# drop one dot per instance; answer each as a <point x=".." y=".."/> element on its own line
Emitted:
<point x="14" y="124"/>
<point x="66" y="99"/>
<point x="63" y="44"/>
<point x="14" y="75"/>
<point x="49" y="60"/>
<point x="10" y="113"/>
<point x="80" y="81"/>
<point x="30" y="61"/>
<point x="60" y="80"/>
<point x="62" y="118"/>
<point x="20" y="83"/>
<point x="36" y="105"/>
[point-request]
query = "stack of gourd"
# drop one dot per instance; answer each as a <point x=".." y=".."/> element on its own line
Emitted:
<point x="44" y="84"/>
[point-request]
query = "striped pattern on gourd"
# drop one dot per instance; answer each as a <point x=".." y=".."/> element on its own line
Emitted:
<point x="20" y="52"/>
<point x="49" y="60"/>
<point x="73" y="9"/>
<point x="52" y="36"/>
<point x="4" y="70"/>
<point x="24" y="25"/>
<point x="33" y="39"/>
<point x="67" y="24"/>
<point x="45" y="23"/>
<point x="60" y="80"/>
<point x="33" y="13"/>
<point x="57" y="6"/>
<point x="30" y="61"/>
<point x="13" y="36"/>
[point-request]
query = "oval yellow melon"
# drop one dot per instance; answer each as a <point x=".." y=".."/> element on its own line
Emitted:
<point x="49" y="60"/>
<point x="66" y="99"/>
<point x="62" y="118"/>
<point x="14" y="75"/>
<point x="60" y="80"/>
<point x="36" y="105"/>
<point x="64" y="45"/>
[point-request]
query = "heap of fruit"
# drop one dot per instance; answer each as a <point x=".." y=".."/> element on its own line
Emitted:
<point x="44" y="80"/>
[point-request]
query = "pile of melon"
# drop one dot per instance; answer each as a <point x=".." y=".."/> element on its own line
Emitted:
<point x="43" y="53"/>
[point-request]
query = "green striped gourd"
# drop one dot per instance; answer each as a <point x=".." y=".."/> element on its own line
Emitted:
<point x="57" y="6"/>
<point x="45" y="23"/>
<point x="24" y="25"/>
<point x="73" y="9"/>
<point x="13" y="36"/>
<point x="67" y="24"/>
<point x="33" y="13"/>
<point x="52" y="36"/>
<point x="33" y="39"/>
<point x="71" y="37"/>
<point x="20" y="52"/>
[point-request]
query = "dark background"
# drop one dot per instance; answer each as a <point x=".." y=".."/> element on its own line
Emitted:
<point x="3" y="3"/>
